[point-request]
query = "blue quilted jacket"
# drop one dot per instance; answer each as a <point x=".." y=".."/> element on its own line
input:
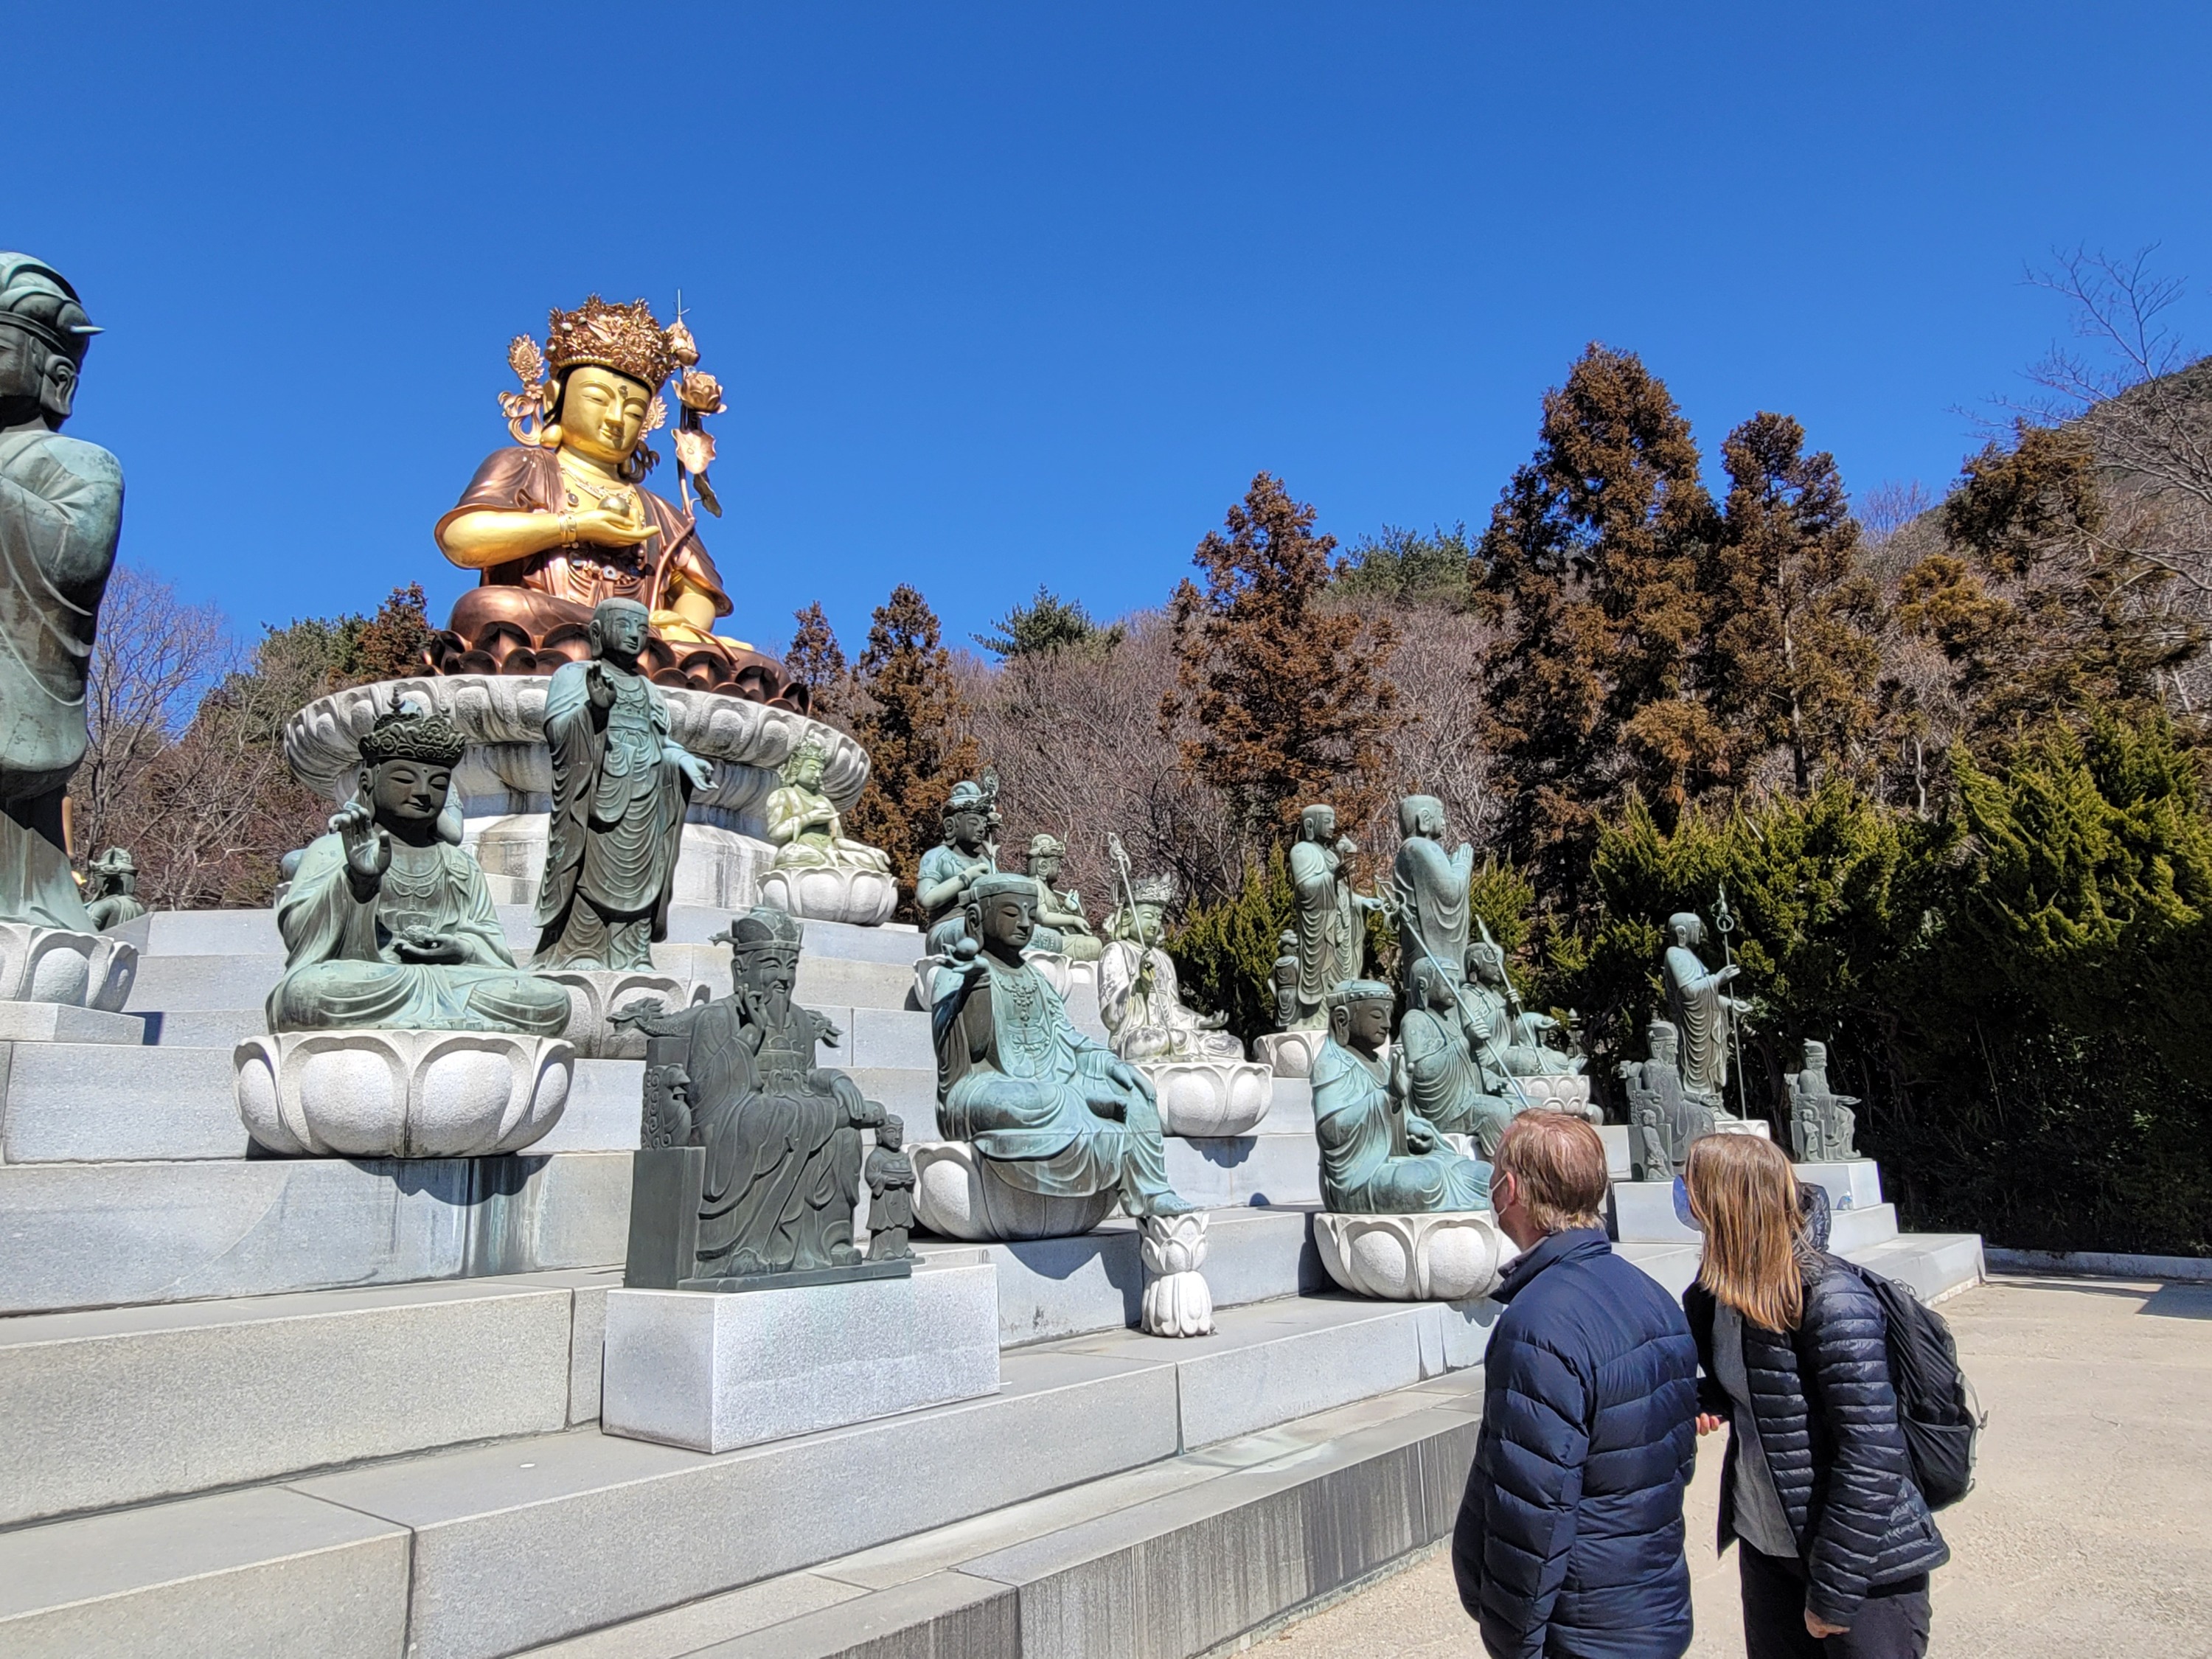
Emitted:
<point x="1570" y="1538"/>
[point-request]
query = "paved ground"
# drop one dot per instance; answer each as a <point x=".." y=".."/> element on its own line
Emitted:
<point x="2088" y="1535"/>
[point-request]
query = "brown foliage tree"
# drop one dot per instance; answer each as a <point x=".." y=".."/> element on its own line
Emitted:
<point x="817" y="661"/>
<point x="1285" y="690"/>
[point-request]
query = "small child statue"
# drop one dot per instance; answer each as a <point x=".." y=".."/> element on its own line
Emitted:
<point x="890" y="1193"/>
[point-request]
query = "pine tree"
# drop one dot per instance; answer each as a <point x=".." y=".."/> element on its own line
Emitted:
<point x="817" y="661"/>
<point x="1046" y="624"/>
<point x="1285" y="690"/>
<point x="910" y="719"/>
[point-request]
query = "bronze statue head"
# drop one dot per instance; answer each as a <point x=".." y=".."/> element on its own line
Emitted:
<point x="1317" y="823"/>
<point x="1047" y="854"/>
<point x="44" y="332"/>
<point x="1433" y="986"/>
<point x="408" y="760"/>
<point x="1001" y="911"/>
<point x="1421" y="816"/>
<point x="114" y="873"/>
<point x="971" y="812"/>
<point x="764" y="945"/>
<point x="804" y="769"/>
<point x="617" y="632"/>
<point x="1685" y="929"/>
<point x="1359" y="1015"/>
<point x="890" y="1133"/>
<point x="1814" y="1056"/>
<point x="1663" y="1041"/>
<point x="1485" y="960"/>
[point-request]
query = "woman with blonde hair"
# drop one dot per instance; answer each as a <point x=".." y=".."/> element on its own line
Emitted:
<point x="1837" y="1541"/>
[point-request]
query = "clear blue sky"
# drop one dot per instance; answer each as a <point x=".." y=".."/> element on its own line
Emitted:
<point x="1023" y="293"/>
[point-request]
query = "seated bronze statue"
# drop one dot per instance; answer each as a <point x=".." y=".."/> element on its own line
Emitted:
<point x="1378" y="1157"/>
<point x="562" y="522"/>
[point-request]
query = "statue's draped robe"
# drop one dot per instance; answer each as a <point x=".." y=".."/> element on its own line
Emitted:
<point x="1511" y="1044"/>
<point x="818" y="845"/>
<point x="1017" y="1080"/>
<point x="612" y="840"/>
<point x="1329" y="940"/>
<point x="1822" y="1126"/>
<point x="340" y="970"/>
<point x="782" y="1140"/>
<point x="948" y="924"/>
<point x="1445" y="1082"/>
<point x="1365" y="1168"/>
<point x="1153" y="1025"/>
<point x="1657" y="1106"/>
<point x="61" y="508"/>
<point x="1699" y="1010"/>
<point x="1428" y="890"/>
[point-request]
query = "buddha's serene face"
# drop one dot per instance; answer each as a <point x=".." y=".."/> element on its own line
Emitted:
<point x="1489" y="967"/>
<point x="1320" y="823"/>
<point x="408" y="792"/>
<point x="1045" y="867"/>
<point x="1368" y="1024"/>
<point x="1149" y="917"/>
<point x="1005" y="922"/>
<point x="603" y="414"/>
<point x="968" y="827"/>
<point x="806" y="772"/>
<point x="622" y="630"/>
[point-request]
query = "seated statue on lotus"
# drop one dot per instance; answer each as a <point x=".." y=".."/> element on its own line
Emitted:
<point x="807" y="831"/>
<point x="389" y="926"/>
<point x="1047" y="1108"/>
<point x="1061" y="926"/>
<point x="1438" y="1064"/>
<point x="111" y="889"/>
<point x="1378" y="1157"/>
<point x="1138" y="998"/>
<point x="1514" y="1035"/>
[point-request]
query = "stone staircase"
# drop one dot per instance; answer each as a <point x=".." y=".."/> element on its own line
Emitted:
<point x="256" y="1405"/>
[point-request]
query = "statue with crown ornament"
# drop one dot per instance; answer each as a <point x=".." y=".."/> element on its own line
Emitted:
<point x="820" y="872"/>
<point x="61" y="511"/>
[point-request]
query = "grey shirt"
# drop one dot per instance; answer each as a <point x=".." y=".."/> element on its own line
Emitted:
<point x="1759" y="1520"/>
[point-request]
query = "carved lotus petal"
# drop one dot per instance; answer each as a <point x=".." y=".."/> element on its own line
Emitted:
<point x="828" y="893"/>
<point x="957" y="1195"/>
<point x="56" y="964"/>
<point x="400" y="1094"/>
<point x="1448" y="1256"/>
<point x="1210" y="1099"/>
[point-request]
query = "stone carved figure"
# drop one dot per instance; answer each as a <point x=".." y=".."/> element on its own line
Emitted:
<point x="1061" y="925"/>
<point x="807" y="831"/>
<point x="1330" y="916"/>
<point x="1139" y="997"/>
<point x="1514" y="1034"/>
<point x="111" y="892"/>
<point x="1662" y="1120"/>
<point x="61" y="509"/>
<point x="1378" y="1157"/>
<point x="388" y="925"/>
<point x="1823" y="1130"/>
<point x="1048" y="1109"/>
<point x="1701" y="1011"/>
<point x="951" y="869"/>
<point x="1428" y="893"/>
<point x="1286" y="983"/>
<point x="781" y="1134"/>
<point x="890" y="1174"/>
<point x="620" y="788"/>
<point x="1437" y="1064"/>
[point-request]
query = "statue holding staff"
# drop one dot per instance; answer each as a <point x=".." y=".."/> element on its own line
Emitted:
<point x="1700" y="1011"/>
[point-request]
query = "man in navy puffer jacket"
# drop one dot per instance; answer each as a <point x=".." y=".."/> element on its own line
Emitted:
<point x="1570" y="1538"/>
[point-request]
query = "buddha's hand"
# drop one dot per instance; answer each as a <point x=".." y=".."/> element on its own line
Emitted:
<point x="427" y="948"/>
<point x="368" y="847"/>
<point x="603" y="527"/>
<point x="702" y="773"/>
<point x="599" y="689"/>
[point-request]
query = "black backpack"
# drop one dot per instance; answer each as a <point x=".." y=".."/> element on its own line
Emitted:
<point x="1937" y="1406"/>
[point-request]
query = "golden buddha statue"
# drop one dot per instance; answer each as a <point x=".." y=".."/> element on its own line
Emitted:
<point x="562" y="522"/>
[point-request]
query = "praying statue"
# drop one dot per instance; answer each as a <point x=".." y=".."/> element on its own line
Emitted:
<point x="1061" y="925"/>
<point x="1662" y="1122"/>
<point x="950" y="870"/>
<point x="1513" y="1034"/>
<point x="1428" y="892"/>
<point x="61" y="509"/>
<point x="1048" y="1109"/>
<point x="807" y="831"/>
<point x="386" y="925"/>
<point x="1437" y="1064"/>
<point x="1330" y="916"/>
<point x="1822" y="1127"/>
<point x="1378" y="1157"/>
<point x="620" y="789"/>
<point x="1138" y="998"/>
<point x="1701" y="1012"/>
<point x="111" y="888"/>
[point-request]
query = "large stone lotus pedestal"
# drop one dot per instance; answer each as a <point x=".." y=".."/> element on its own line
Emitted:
<point x="1560" y="1091"/>
<point x="57" y="986"/>
<point x="400" y="1094"/>
<point x="1448" y="1256"/>
<point x="864" y="898"/>
<point x="1289" y="1053"/>
<point x="957" y="1195"/>
<point x="711" y="1371"/>
<point x="1216" y="1099"/>
<point x="1177" y="1300"/>
<point x="595" y="994"/>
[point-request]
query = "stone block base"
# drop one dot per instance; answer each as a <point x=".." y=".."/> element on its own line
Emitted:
<point x="595" y="996"/>
<point x="707" y="1372"/>
<point x="54" y="965"/>
<point x="864" y="898"/>
<point x="60" y="1022"/>
<point x="400" y="1094"/>
<point x="1445" y="1257"/>
<point x="1856" y="1185"/>
<point x="957" y="1195"/>
<point x="1289" y="1053"/>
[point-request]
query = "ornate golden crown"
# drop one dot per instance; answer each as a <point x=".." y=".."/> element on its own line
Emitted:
<point x="628" y="339"/>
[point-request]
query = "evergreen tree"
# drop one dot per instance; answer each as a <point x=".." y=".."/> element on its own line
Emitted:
<point x="817" y="661"/>
<point x="1288" y="698"/>
<point x="910" y="719"/>
<point x="1048" y="622"/>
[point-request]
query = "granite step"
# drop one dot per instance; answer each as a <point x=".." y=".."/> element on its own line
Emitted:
<point x="1935" y="1265"/>
<point x="481" y="1551"/>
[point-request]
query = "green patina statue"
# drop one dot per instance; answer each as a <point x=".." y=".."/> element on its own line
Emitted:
<point x="1061" y="925"/>
<point x="1440" y="1064"/>
<point x="1823" y="1128"/>
<point x="1663" y="1123"/>
<point x="805" y="828"/>
<point x="1513" y="1035"/>
<point x="61" y="509"/>
<point x="387" y="926"/>
<point x="1139" y="999"/>
<point x="1329" y="915"/>
<point x="1699" y="1009"/>
<point x="950" y="870"/>
<point x="1051" y="1111"/>
<point x="1428" y="893"/>
<point x="1377" y="1156"/>
<point x="111" y="892"/>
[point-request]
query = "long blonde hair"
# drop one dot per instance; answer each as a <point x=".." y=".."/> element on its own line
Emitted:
<point x="1744" y="1196"/>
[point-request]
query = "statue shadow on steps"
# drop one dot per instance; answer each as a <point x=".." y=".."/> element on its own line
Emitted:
<point x="1115" y="1248"/>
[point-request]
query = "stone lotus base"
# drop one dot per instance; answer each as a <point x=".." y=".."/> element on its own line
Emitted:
<point x="54" y="965"/>
<point x="957" y="1195"/>
<point x="864" y="898"/>
<point x="400" y="1094"/>
<point x="1561" y="1092"/>
<point x="1289" y="1053"/>
<point x="1445" y="1257"/>
<point x="1210" y="1099"/>
<point x="595" y="994"/>
<point x="1177" y="1300"/>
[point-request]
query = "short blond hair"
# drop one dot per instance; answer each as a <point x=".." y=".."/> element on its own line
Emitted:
<point x="1559" y="1161"/>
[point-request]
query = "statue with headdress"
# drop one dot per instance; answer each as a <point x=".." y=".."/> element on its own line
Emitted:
<point x="388" y="924"/>
<point x="621" y="785"/>
<point x="1330" y="916"/>
<point x="1443" y="1067"/>
<point x="562" y="522"/>
<point x="1139" y="997"/>
<point x="1663" y="1123"/>
<point x="111" y="889"/>
<point x="807" y="830"/>
<point x="1823" y="1128"/>
<point x="950" y="870"/>
<point x="61" y="510"/>
<point x="1378" y="1155"/>
<point x="1062" y="927"/>
<point x="1512" y="1034"/>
